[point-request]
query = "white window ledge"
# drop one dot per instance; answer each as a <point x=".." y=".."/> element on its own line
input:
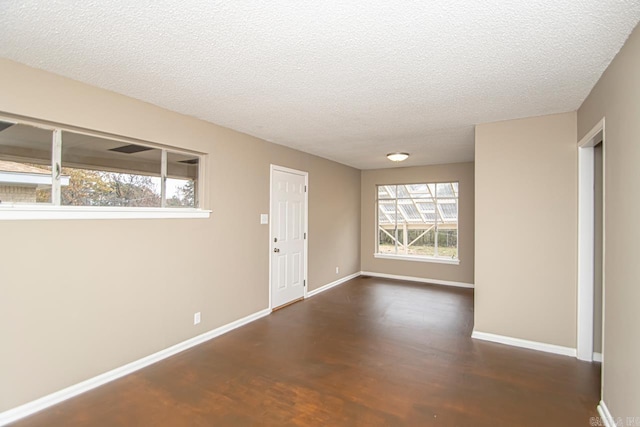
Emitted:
<point x="20" y="212"/>
<point x="418" y="258"/>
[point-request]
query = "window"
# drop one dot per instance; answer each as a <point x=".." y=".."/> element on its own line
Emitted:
<point x="418" y="221"/>
<point x="58" y="170"/>
<point x="25" y="164"/>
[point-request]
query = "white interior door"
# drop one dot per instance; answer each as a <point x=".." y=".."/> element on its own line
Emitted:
<point x="288" y="235"/>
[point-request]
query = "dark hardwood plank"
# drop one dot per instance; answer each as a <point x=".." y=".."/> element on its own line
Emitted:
<point x="371" y="352"/>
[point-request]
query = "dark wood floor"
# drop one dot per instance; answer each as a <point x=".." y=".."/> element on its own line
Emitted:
<point x="371" y="352"/>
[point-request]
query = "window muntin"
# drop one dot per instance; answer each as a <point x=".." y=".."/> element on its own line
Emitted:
<point x="418" y="220"/>
<point x="95" y="171"/>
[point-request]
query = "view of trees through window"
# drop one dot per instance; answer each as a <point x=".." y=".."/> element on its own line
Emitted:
<point x="99" y="188"/>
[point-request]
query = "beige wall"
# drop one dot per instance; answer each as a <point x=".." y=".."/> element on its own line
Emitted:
<point x="526" y="229"/>
<point x="102" y="293"/>
<point x="461" y="172"/>
<point x="616" y="97"/>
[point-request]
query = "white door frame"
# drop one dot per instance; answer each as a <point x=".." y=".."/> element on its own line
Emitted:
<point x="586" y="240"/>
<point x="306" y="223"/>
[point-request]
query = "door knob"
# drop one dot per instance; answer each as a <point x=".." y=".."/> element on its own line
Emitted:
<point x="276" y="250"/>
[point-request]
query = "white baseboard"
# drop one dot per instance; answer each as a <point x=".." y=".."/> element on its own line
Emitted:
<point x="419" y="279"/>
<point x="597" y="357"/>
<point x="531" y="345"/>
<point x="34" y="406"/>
<point x="605" y="415"/>
<point x="332" y="284"/>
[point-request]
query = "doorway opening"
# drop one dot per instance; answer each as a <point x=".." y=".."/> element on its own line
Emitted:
<point x="591" y="236"/>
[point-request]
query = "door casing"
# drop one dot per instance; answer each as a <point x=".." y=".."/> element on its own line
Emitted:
<point x="586" y="241"/>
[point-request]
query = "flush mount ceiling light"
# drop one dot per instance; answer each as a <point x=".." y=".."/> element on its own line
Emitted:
<point x="397" y="157"/>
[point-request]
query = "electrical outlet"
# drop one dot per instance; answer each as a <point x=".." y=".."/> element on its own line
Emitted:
<point x="337" y="270"/>
<point x="196" y="318"/>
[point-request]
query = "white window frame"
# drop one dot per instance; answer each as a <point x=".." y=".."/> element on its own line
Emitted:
<point x="416" y="258"/>
<point x="16" y="211"/>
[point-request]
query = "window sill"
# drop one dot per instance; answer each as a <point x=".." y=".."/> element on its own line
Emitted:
<point x="418" y="258"/>
<point x="16" y="212"/>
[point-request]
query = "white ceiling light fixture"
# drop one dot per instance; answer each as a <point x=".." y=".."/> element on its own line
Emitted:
<point x="398" y="157"/>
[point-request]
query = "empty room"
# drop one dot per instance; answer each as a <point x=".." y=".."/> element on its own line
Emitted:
<point x="218" y="213"/>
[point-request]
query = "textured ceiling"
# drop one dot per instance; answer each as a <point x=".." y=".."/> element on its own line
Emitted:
<point x="346" y="80"/>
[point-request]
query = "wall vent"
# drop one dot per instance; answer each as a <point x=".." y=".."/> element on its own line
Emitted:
<point x="190" y="161"/>
<point x="5" y="125"/>
<point x="130" y="149"/>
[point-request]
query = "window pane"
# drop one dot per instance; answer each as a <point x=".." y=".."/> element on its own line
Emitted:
<point x="402" y="192"/>
<point x="448" y="209"/>
<point x="182" y="180"/>
<point x="104" y="172"/>
<point x="447" y="242"/>
<point x="408" y="211"/>
<point x="25" y="164"/>
<point x="386" y="241"/>
<point x="402" y="249"/>
<point x="386" y="191"/>
<point x="426" y="206"/>
<point x="422" y="241"/>
<point x="387" y="212"/>
<point x="418" y="188"/>
<point x="445" y="190"/>
<point x="418" y="191"/>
